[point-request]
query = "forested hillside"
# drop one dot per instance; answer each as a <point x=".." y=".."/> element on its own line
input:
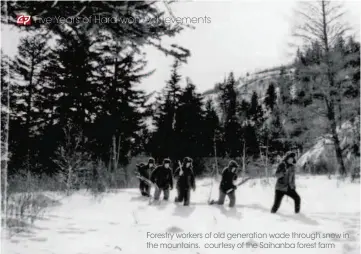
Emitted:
<point x="72" y="99"/>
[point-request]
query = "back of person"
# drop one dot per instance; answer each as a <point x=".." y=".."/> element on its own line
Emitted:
<point x="228" y="177"/>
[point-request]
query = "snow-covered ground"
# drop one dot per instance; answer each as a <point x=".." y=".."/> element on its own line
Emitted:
<point x="119" y="222"/>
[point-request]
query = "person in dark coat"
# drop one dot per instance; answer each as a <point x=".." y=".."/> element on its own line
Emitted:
<point x="163" y="178"/>
<point x="228" y="184"/>
<point x="145" y="171"/>
<point x="285" y="185"/>
<point x="185" y="182"/>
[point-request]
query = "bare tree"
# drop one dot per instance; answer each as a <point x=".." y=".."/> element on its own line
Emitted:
<point x="71" y="158"/>
<point x="322" y="23"/>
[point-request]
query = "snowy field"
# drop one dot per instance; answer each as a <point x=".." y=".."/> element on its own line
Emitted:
<point x="119" y="222"/>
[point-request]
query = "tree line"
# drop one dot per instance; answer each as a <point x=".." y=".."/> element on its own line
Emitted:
<point x="74" y="93"/>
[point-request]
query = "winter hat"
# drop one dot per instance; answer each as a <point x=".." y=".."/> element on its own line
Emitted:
<point x="289" y="155"/>
<point x="166" y="161"/>
<point x="151" y="160"/>
<point x="233" y="164"/>
<point x="187" y="159"/>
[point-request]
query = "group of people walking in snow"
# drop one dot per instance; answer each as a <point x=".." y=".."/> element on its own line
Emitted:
<point x="162" y="178"/>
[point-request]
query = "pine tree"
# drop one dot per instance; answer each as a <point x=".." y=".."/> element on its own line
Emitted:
<point x="164" y="140"/>
<point x="271" y="97"/>
<point x="252" y="119"/>
<point x="228" y="100"/>
<point x="27" y="67"/>
<point x="73" y="79"/>
<point x="189" y="123"/>
<point x="272" y="133"/>
<point x="119" y="117"/>
<point x="244" y="112"/>
<point x="211" y="131"/>
<point x="284" y="84"/>
<point x="255" y="112"/>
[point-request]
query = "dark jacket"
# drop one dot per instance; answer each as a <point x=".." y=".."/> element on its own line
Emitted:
<point x="286" y="177"/>
<point x="163" y="177"/>
<point x="186" y="180"/>
<point x="227" y="180"/>
<point x="144" y="170"/>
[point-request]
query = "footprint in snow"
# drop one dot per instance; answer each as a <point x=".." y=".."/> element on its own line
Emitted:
<point x="71" y="232"/>
<point x="39" y="239"/>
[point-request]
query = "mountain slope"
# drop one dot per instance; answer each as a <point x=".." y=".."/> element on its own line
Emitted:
<point x="257" y="81"/>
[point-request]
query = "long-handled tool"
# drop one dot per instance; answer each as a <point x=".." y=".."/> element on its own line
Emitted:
<point x="180" y="168"/>
<point x="240" y="183"/>
<point x="150" y="183"/>
<point x="211" y="202"/>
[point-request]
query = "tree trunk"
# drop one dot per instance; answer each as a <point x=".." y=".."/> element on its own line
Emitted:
<point x="266" y="160"/>
<point x="114" y="154"/>
<point x="244" y="157"/>
<point x="5" y="156"/>
<point x="69" y="180"/>
<point x="118" y="152"/>
<point x="28" y="116"/>
<point x="338" y="148"/>
<point x="330" y="104"/>
<point x="215" y="153"/>
<point x="336" y="140"/>
<point x="339" y="102"/>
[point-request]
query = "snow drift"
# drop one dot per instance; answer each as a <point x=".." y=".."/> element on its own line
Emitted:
<point x="123" y="222"/>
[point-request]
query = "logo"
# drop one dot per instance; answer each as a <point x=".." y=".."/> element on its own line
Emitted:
<point x="23" y="20"/>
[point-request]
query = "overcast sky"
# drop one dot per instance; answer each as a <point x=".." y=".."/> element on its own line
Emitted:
<point x="243" y="36"/>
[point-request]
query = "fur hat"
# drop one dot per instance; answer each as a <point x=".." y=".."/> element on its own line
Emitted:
<point x="151" y="160"/>
<point x="232" y="164"/>
<point x="166" y="161"/>
<point x="187" y="159"/>
<point x="289" y="155"/>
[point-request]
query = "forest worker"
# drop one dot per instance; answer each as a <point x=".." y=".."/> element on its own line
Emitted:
<point x="286" y="185"/>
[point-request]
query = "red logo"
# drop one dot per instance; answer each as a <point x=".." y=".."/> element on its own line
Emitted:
<point x="23" y="20"/>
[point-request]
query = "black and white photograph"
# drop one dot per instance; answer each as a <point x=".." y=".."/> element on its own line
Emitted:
<point x="180" y="126"/>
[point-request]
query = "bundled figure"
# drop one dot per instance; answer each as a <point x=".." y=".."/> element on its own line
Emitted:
<point x="162" y="177"/>
<point x="144" y="172"/>
<point x="185" y="182"/>
<point x="285" y="185"/>
<point x="228" y="184"/>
